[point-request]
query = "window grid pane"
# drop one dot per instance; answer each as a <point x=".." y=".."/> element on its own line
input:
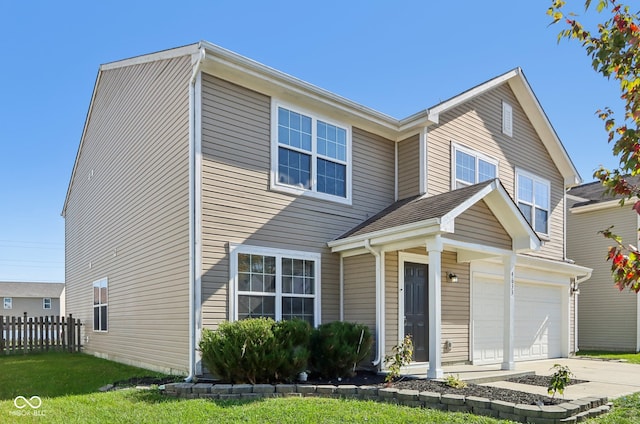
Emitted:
<point x="298" y="276"/>
<point x="294" y="129"/>
<point x="332" y="178"/>
<point x="486" y="171"/>
<point x="256" y="307"/>
<point x="332" y="141"/>
<point x="525" y="189"/>
<point x="294" y="168"/>
<point x="258" y="273"/>
<point x="465" y="167"/>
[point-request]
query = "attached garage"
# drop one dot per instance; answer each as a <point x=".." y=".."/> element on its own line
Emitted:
<point x="538" y="320"/>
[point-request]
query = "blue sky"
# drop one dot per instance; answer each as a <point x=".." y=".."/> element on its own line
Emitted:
<point x="398" y="57"/>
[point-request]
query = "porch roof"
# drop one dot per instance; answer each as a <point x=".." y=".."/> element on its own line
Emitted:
<point x="425" y="216"/>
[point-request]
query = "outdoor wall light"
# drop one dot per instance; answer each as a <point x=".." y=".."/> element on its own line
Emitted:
<point x="453" y="278"/>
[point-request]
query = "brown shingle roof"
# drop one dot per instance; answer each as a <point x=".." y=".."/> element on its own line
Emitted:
<point x="415" y="209"/>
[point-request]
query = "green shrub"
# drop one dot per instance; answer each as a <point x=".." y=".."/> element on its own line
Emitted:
<point x="337" y="347"/>
<point x="256" y="350"/>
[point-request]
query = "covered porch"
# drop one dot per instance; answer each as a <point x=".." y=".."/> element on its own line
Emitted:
<point x="407" y="270"/>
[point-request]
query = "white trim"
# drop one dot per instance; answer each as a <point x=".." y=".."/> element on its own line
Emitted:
<point x="404" y="257"/>
<point x="477" y="156"/>
<point x="153" y="57"/>
<point x="99" y="283"/>
<point x="534" y="178"/>
<point x="610" y="204"/>
<point x="312" y="192"/>
<point x="395" y="159"/>
<point x="423" y="160"/>
<point x="235" y="249"/>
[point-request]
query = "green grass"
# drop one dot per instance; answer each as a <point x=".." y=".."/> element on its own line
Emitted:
<point x="58" y="373"/>
<point x="632" y="358"/>
<point x="68" y="384"/>
<point x="131" y="406"/>
<point x="626" y="410"/>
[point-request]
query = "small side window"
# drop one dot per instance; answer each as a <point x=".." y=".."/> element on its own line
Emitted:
<point x="507" y="119"/>
<point x="8" y="303"/>
<point x="46" y="303"/>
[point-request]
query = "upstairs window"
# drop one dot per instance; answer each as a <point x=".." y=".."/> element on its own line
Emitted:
<point x="46" y="303"/>
<point x="534" y="200"/>
<point x="310" y="155"/>
<point x="100" y="304"/>
<point x="471" y="167"/>
<point x="8" y="303"/>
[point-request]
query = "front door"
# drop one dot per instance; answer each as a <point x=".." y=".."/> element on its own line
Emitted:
<point x="415" y="311"/>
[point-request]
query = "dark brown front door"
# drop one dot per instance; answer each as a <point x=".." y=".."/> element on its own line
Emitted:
<point x="415" y="309"/>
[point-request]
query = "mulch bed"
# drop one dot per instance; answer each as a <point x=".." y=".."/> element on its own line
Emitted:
<point x="494" y="393"/>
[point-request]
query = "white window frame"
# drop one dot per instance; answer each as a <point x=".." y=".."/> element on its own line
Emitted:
<point x="45" y="303"/>
<point x="455" y="147"/>
<point x="312" y="192"/>
<point x="98" y="284"/>
<point x="534" y="178"/>
<point x="507" y="119"/>
<point x="235" y="249"/>
<point x="7" y="301"/>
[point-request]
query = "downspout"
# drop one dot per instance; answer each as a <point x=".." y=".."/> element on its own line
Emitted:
<point x="195" y="306"/>
<point x="575" y="309"/>
<point x="379" y="302"/>
<point x="341" y="288"/>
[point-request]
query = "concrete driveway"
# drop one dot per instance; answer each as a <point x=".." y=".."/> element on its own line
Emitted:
<point x="605" y="378"/>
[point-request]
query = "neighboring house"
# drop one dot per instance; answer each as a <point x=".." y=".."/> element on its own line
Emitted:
<point x="209" y="187"/>
<point x="608" y="318"/>
<point x="34" y="299"/>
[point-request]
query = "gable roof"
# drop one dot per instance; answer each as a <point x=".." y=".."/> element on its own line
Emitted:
<point x="423" y="216"/>
<point x="215" y="60"/>
<point x="26" y="289"/>
<point x="518" y="83"/>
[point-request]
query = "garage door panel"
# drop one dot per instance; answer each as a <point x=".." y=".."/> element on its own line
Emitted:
<point x="537" y="322"/>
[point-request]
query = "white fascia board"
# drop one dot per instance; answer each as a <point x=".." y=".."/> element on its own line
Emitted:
<point x="565" y="268"/>
<point x="187" y="50"/>
<point x="596" y="206"/>
<point x="254" y="75"/>
<point x="529" y="102"/>
<point x="433" y="114"/>
<point x="394" y="234"/>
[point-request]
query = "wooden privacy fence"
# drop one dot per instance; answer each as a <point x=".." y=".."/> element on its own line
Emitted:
<point x="39" y="334"/>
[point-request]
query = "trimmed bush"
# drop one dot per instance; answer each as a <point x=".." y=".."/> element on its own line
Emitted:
<point x="256" y="350"/>
<point x="337" y="347"/>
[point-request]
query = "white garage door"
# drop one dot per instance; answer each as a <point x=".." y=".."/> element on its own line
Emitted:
<point x="538" y="320"/>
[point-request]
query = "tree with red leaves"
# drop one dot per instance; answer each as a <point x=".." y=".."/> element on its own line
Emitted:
<point x="614" y="48"/>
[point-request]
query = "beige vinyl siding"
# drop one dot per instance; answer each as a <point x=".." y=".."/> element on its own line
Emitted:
<point x="409" y="167"/>
<point x="238" y="207"/>
<point x="476" y="125"/>
<point x="455" y="309"/>
<point x="127" y="217"/>
<point x="478" y="225"/>
<point x="392" y="302"/>
<point x="607" y="317"/>
<point x="32" y="306"/>
<point x="360" y="290"/>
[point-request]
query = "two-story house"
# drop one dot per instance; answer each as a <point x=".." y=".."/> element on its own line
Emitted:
<point x="33" y="299"/>
<point x="209" y="187"/>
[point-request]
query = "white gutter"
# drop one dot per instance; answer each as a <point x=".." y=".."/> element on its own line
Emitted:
<point x="379" y="302"/>
<point x="195" y="288"/>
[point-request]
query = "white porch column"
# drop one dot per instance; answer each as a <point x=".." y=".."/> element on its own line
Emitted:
<point x="508" y="362"/>
<point x="434" y="248"/>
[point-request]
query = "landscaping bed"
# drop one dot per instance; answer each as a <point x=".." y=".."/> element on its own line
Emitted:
<point x="364" y="378"/>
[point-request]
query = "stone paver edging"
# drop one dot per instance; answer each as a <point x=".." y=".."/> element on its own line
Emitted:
<point x="567" y="412"/>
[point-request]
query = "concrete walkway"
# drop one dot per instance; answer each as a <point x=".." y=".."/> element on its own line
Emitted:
<point x="605" y="378"/>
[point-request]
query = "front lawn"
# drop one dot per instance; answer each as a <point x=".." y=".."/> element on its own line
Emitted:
<point x="632" y="358"/>
<point x="68" y="387"/>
